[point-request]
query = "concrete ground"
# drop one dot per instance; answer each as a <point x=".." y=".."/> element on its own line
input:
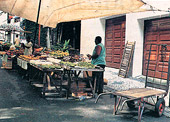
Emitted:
<point x="21" y="102"/>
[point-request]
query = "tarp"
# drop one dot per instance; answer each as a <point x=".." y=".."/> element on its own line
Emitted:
<point x="55" y="11"/>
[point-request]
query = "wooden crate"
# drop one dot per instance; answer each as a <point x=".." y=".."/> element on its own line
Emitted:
<point x="8" y="65"/>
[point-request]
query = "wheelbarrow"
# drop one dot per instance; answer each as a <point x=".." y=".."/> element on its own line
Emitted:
<point x="142" y="96"/>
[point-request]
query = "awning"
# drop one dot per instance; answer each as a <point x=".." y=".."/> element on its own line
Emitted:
<point x="55" y="11"/>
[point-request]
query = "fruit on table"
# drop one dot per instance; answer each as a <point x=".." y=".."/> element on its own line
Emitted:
<point x="26" y="57"/>
<point x="80" y="64"/>
<point x="59" y="53"/>
<point x="86" y="65"/>
<point x="51" y="66"/>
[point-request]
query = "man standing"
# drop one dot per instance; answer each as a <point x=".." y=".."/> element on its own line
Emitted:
<point x="28" y="46"/>
<point x="98" y="58"/>
<point x="17" y="42"/>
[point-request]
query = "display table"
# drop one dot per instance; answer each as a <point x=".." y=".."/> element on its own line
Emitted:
<point x="58" y="76"/>
<point x="47" y="78"/>
<point x="22" y="63"/>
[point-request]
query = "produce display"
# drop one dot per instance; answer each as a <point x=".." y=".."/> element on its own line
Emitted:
<point x="79" y="64"/>
<point x="2" y="52"/>
<point x="19" y="52"/>
<point x="51" y="66"/>
<point x="4" y="46"/>
<point x="59" y="54"/>
<point x="86" y="65"/>
<point x="28" y="58"/>
<point x="69" y="64"/>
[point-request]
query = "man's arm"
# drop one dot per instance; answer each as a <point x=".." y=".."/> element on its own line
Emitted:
<point x="98" y="50"/>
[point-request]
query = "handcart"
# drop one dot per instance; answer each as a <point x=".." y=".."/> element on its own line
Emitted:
<point x="154" y="88"/>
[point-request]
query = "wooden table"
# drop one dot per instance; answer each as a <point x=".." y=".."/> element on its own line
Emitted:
<point x="47" y="79"/>
<point x="71" y="74"/>
<point x="90" y="79"/>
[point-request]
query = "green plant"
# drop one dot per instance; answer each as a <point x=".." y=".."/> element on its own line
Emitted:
<point x="62" y="47"/>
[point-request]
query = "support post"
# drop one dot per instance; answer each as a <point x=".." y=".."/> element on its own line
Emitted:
<point x="36" y="25"/>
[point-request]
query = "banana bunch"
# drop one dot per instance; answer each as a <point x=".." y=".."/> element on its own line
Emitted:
<point x="59" y="54"/>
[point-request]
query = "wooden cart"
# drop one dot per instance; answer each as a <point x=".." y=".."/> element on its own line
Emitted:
<point x="141" y="96"/>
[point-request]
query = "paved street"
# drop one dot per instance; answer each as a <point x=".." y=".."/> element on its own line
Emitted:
<point x="21" y="102"/>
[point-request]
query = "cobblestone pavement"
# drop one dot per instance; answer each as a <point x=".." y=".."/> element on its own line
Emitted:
<point x="21" y="102"/>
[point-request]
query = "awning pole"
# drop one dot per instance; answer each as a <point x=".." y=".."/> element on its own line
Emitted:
<point x="36" y="25"/>
<point x="39" y="35"/>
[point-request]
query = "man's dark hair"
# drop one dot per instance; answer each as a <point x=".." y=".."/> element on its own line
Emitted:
<point x="17" y="35"/>
<point x="28" y="38"/>
<point x="98" y="39"/>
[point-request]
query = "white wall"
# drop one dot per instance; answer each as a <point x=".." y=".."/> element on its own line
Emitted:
<point x="3" y="19"/>
<point x="89" y="30"/>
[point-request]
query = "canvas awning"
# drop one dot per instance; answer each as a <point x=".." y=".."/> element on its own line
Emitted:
<point x="55" y="11"/>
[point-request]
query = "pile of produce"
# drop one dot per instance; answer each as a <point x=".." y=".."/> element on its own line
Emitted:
<point x="19" y="52"/>
<point x="54" y="66"/>
<point x="86" y="65"/>
<point x="79" y="64"/>
<point x="69" y="64"/>
<point x="59" y="54"/>
<point x="5" y="46"/>
<point x="10" y="53"/>
<point x="28" y="58"/>
<point x="2" y="52"/>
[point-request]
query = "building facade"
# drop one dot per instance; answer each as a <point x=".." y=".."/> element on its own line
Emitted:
<point x="144" y="27"/>
<point x="117" y="30"/>
<point x="5" y="18"/>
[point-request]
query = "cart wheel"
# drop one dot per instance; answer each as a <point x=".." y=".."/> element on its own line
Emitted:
<point x="131" y="104"/>
<point x="160" y="107"/>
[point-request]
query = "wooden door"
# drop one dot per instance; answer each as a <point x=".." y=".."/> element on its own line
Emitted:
<point x="157" y="31"/>
<point x="115" y="41"/>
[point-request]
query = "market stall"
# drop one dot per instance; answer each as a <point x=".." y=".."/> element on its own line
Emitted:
<point x="59" y="70"/>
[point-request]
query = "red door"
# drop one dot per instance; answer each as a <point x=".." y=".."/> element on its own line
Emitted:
<point x="115" y="41"/>
<point x="157" y="31"/>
